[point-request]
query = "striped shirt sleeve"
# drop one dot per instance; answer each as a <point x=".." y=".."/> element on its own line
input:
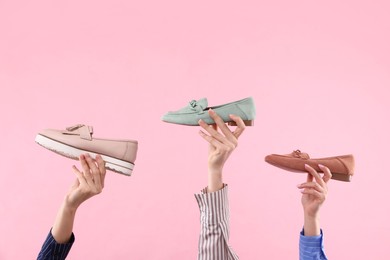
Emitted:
<point x="51" y="250"/>
<point x="311" y="247"/>
<point x="214" y="231"/>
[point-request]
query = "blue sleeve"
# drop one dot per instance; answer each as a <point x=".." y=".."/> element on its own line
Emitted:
<point x="311" y="247"/>
<point x="51" y="250"/>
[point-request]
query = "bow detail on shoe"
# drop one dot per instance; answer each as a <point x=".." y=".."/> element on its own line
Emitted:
<point x="85" y="131"/>
<point x="199" y="105"/>
<point x="74" y="127"/>
<point x="299" y="154"/>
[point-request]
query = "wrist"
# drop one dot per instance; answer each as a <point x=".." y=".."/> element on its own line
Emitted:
<point x="312" y="218"/>
<point x="215" y="170"/>
<point x="215" y="181"/>
<point x="311" y="225"/>
<point x="311" y="214"/>
<point x="70" y="206"/>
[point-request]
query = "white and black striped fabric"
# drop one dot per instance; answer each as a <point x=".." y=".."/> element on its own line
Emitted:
<point x="214" y="230"/>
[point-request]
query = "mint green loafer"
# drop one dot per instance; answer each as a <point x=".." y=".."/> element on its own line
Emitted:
<point x="190" y="115"/>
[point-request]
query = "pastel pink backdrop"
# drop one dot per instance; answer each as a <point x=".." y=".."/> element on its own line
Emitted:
<point x="319" y="74"/>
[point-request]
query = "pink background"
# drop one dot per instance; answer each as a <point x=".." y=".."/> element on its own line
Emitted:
<point x="319" y="74"/>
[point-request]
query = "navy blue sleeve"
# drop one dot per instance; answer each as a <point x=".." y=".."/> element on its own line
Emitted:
<point x="51" y="250"/>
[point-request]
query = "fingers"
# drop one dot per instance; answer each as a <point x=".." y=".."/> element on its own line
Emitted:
<point x="240" y="125"/>
<point x="315" y="193"/>
<point x="93" y="172"/>
<point x="86" y="169"/>
<point x="309" y="178"/>
<point x="313" y="189"/>
<point x="314" y="174"/>
<point x="327" y="173"/>
<point x="318" y="187"/>
<point x="79" y="175"/>
<point x="312" y="186"/>
<point x="102" y="168"/>
<point x="217" y="144"/>
<point x="221" y="124"/>
<point x="224" y="128"/>
<point x="227" y="139"/>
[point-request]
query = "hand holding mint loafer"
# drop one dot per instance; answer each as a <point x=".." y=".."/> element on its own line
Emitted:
<point x="342" y="167"/>
<point x="119" y="155"/>
<point x="196" y="110"/>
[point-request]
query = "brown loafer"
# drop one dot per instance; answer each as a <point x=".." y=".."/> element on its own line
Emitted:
<point x="341" y="167"/>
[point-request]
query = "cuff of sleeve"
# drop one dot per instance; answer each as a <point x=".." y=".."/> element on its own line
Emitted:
<point x="311" y="241"/>
<point x="214" y="206"/>
<point x="53" y="249"/>
<point x="52" y="240"/>
<point x="311" y="247"/>
<point x="60" y="248"/>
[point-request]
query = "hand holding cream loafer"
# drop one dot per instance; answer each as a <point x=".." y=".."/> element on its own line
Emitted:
<point x="195" y="110"/>
<point x="119" y="155"/>
<point x="342" y="167"/>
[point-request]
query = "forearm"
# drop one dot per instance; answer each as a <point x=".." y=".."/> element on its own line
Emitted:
<point x="215" y="181"/>
<point x="311" y="225"/>
<point x="63" y="225"/>
<point x="59" y="241"/>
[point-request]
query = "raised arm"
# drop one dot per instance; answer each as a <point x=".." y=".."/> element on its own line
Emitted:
<point x="89" y="182"/>
<point x="213" y="200"/>
<point x="314" y="192"/>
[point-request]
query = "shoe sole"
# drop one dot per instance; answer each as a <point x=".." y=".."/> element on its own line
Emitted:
<point x="71" y="152"/>
<point x="246" y="123"/>
<point x="335" y="176"/>
<point x="230" y="123"/>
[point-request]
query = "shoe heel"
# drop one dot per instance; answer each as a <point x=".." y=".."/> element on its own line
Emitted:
<point x="246" y="122"/>
<point x="341" y="177"/>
